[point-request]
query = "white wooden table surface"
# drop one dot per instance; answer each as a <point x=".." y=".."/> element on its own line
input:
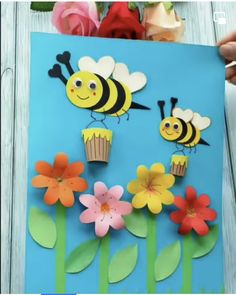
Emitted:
<point x="17" y="22"/>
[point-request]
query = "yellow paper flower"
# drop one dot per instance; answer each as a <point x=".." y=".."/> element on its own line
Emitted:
<point x="151" y="188"/>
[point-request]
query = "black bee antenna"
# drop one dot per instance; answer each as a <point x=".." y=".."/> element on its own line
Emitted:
<point x="173" y="101"/>
<point x="161" y="104"/>
<point x="55" y="72"/>
<point x="64" y="58"/>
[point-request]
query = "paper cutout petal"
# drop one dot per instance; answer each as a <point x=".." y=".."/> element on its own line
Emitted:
<point x="82" y="256"/>
<point x="66" y="196"/>
<point x="77" y="184"/>
<point x="204" y="245"/>
<point x="42" y="228"/>
<point x="52" y="195"/>
<point x="43" y="181"/>
<point x="123" y="263"/>
<point x="87" y="200"/>
<point x="101" y="226"/>
<point x="44" y="168"/>
<point x="167" y="261"/>
<point x="100" y="188"/>
<point x="158" y="168"/>
<point x="60" y="164"/>
<point x="104" y="67"/>
<point x="116" y="191"/>
<point x="73" y="170"/>
<point x="136" y="223"/>
<point x="134" y="81"/>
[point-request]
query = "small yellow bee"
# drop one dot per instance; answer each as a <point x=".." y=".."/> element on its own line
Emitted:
<point x="183" y="126"/>
<point x="92" y="87"/>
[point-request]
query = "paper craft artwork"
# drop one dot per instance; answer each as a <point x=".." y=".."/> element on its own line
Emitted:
<point x="152" y="188"/>
<point x="184" y="128"/>
<point x="105" y="208"/>
<point x="92" y="87"/>
<point x="97" y="143"/>
<point x="85" y="233"/>
<point x="61" y="180"/>
<point x="193" y="213"/>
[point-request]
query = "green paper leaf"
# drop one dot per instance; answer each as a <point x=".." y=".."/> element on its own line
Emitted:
<point x="136" y="223"/>
<point x="168" y="6"/>
<point x="167" y="261"/>
<point x="42" y="228"/>
<point x="204" y="245"/>
<point x="42" y="6"/>
<point x="123" y="263"/>
<point x="82" y="256"/>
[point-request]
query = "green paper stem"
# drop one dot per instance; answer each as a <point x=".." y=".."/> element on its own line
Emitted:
<point x="104" y="265"/>
<point x="187" y="263"/>
<point x="151" y="253"/>
<point x="60" y="248"/>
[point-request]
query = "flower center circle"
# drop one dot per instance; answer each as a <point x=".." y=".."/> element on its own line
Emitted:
<point x="105" y="208"/>
<point x="191" y="212"/>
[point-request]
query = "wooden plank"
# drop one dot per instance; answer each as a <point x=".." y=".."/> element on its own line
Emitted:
<point x="33" y="21"/>
<point x="20" y="147"/>
<point x="229" y="8"/>
<point x="7" y="136"/>
<point x="198" y="22"/>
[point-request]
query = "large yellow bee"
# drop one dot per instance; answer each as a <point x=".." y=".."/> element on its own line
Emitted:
<point x="183" y="126"/>
<point x="91" y="88"/>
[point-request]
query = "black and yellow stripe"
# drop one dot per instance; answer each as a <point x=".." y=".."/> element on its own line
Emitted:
<point x="116" y="98"/>
<point x="190" y="135"/>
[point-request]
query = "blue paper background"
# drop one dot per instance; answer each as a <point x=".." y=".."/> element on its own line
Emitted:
<point x="194" y="74"/>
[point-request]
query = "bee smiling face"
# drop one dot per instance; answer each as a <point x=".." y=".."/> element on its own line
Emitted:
<point x="84" y="89"/>
<point x="171" y="128"/>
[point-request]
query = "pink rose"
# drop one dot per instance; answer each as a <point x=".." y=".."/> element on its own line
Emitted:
<point x="76" y="18"/>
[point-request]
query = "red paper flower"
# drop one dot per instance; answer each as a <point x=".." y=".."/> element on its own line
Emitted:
<point x="61" y="179"/>
<point x="193" y="213"/>
<point x="121" y="22"/>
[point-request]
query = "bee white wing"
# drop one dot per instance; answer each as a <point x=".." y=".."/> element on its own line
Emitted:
<point x="104" y="67"/>
<point x="201" y="122"/>
<point x="186" y="115"/>
<point x="134" y="81"/>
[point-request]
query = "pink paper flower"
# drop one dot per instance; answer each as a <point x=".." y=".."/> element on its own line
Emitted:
<point x="76" y="18"/>
<point x="105" y="208"/>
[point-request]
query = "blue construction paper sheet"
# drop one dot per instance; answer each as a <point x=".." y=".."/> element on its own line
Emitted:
<point x="193" y="74"/>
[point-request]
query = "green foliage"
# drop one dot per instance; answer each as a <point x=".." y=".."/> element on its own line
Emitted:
<point x="42" y="6"/>
<point x="204" y="245"/>
<point x="136" y="223"/>
<point x="82" y="256"/>
<point x="42" y="228"/>
<point x="123" y="263"/>
<point x="167" y="261"/>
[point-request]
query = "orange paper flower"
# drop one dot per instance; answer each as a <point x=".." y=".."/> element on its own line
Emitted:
<point x="61" y="179"/>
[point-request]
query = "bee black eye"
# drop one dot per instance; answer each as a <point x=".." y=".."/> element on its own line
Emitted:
<point x="92" y="85"/>
<point x="176" y="126"/>
<point x="167" y="124"/>
<point x="78" y="83"/>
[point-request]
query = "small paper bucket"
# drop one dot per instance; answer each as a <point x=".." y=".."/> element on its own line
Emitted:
<point x="97" y="143"/>
<point x="179" y="165"/>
